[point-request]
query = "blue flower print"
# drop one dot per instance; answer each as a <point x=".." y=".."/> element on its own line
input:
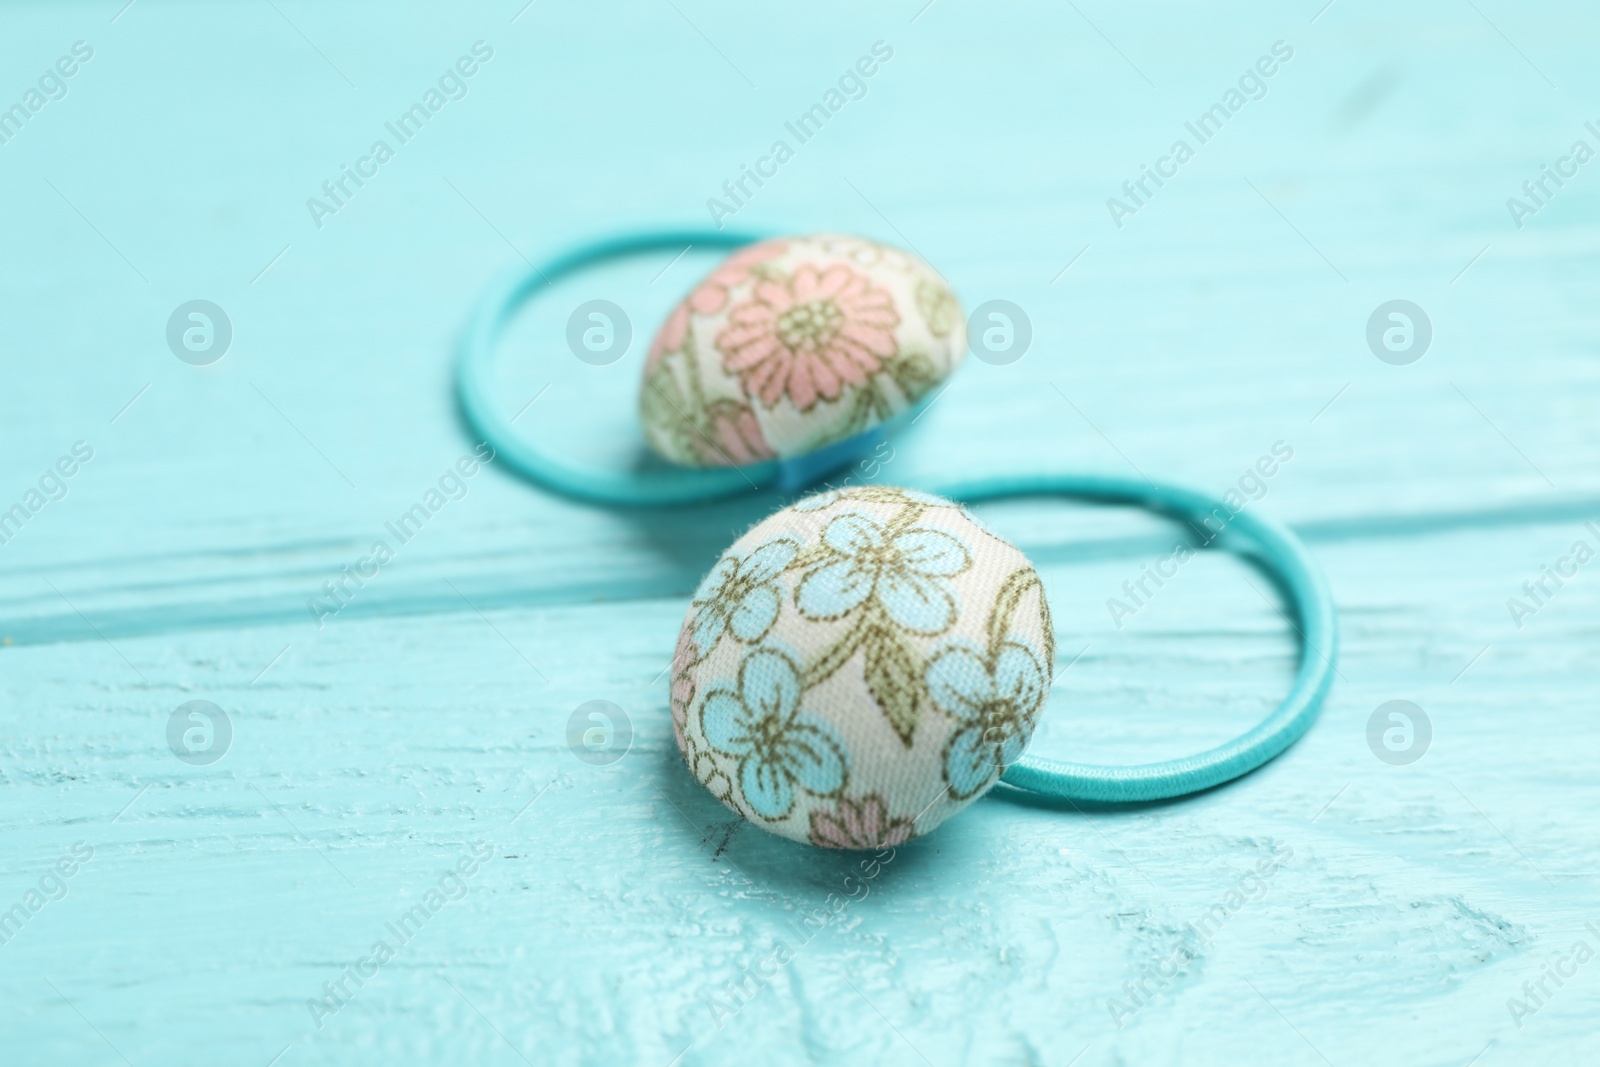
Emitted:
<point x="741" y="595"/>
<point x="906" y="570"/>
<point x="995" y="708"/>
<point x="779" y="747"/>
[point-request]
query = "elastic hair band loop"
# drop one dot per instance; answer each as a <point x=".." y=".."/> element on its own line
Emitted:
<point x="1281" y="551"/>
<point x="1312" y="608"/>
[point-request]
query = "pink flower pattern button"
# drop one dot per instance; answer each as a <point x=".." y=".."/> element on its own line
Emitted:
<point x="794" y="344"/>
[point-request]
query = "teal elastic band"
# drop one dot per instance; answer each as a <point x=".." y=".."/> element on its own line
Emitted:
<point x="1279" y="550"/>
<point x="1283" y="555"/>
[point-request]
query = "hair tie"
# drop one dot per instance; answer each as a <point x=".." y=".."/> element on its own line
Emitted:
<point x="867" y="661"/>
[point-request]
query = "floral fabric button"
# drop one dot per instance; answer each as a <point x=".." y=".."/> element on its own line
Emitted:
<point x="794" y="344"/>
<point x="860" y="666"/>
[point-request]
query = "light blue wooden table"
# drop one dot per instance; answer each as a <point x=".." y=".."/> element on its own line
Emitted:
<point x="402" y="774"/>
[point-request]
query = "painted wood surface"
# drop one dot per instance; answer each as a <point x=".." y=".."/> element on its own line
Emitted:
<point x="613" y="914"/>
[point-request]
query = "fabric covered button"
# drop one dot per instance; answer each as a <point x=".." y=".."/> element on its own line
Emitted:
<point x="860" y="666"/>
<point x="797" y="343"/>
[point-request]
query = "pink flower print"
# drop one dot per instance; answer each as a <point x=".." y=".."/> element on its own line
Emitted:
<point x="669" y="338"/>
<point x="735" y="435"/>
<point x="709" y="297"/>
<point x="859" y="824"/>
<point x="809" y="336"/>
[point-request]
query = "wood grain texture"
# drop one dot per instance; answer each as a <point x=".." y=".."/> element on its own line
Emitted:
<point x="621" y="908"/>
